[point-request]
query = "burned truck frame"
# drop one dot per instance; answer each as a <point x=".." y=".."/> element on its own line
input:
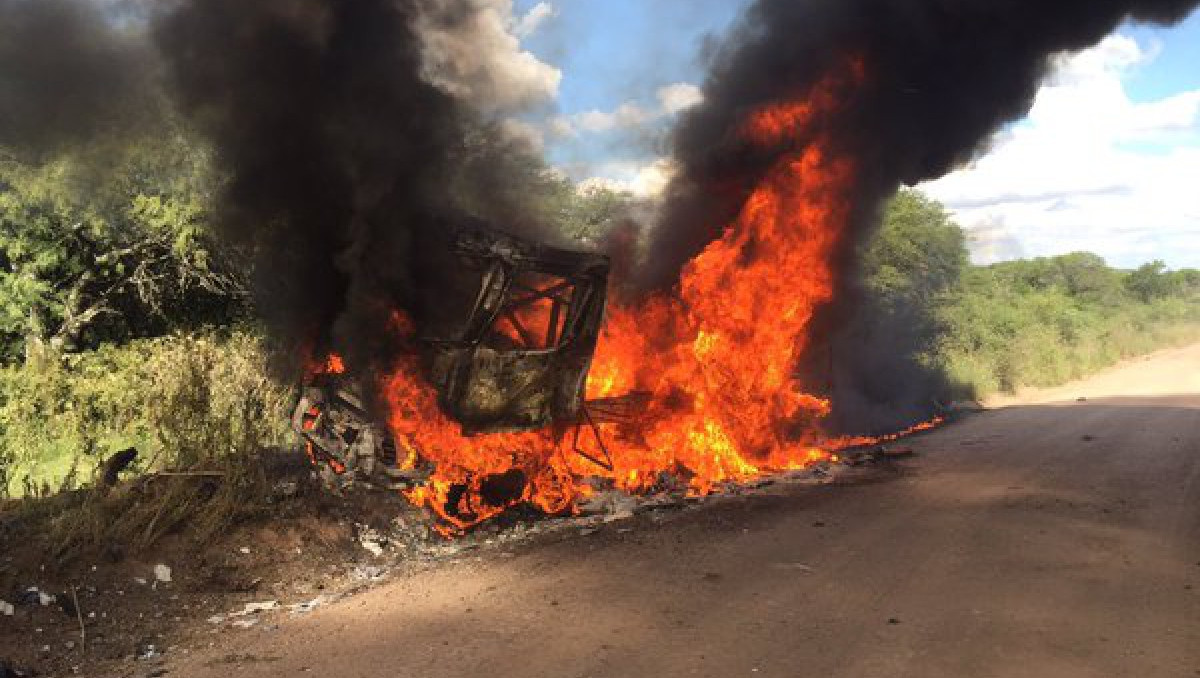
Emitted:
<point x="522" y="359"/>
<point x="517" y="361"/>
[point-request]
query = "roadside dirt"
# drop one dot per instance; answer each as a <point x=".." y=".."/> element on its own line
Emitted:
<point x="1053" y="538"/>
<point x="122" y="604"/>
<point x="1173" y="371"/>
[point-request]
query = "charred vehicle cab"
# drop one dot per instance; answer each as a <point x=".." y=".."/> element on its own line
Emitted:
<point x="515" y="359"/>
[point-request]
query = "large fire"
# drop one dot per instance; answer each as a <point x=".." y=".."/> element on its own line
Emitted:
<point x="716" y="358"/>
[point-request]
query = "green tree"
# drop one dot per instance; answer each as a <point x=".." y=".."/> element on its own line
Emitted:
<point x="106" y="244"/>
<point x="1087" y="277"/>
<point x="1187" y="282"/>
<point x="917" y="256"/>
<point x="588" y="213"/>
<point x="1152" y="281"/>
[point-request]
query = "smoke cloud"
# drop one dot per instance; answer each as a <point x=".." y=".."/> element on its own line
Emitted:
<point x="473" y="51"/>
<point x="68" y="73"/>
<point x="941" y="77"/>
<point x="343" y="157"/>
<point x="335" y="146"/>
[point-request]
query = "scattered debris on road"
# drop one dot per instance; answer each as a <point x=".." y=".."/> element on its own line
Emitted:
<point x="255" y="608"/>
<point x="371" y="539"/>
<point x="876" y="454"/>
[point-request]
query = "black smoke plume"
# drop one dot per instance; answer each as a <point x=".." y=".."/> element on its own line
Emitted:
<point x="340" y="156"/>
<point x="342" y="168"/>
<point x="68" y="73"/>
<point x="941" y="76"/>
<point x="335" y="149"/>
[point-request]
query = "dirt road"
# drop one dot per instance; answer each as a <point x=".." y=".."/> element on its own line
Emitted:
<point x="1051" y="539"/>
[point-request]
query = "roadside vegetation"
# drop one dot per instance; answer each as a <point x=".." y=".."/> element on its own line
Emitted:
<point x="124" y="324"/>
<point x="1047" y="321"/>
<point x="1029" y="322"/>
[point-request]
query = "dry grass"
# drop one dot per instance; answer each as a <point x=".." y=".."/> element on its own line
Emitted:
<point x="201" y="406"/>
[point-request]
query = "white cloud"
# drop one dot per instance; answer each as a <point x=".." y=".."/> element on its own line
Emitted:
<point x="1089" y="169"/>
<point x="626" y="116"/>
<point x="629" y="116"/>
<point x="645" y="179"/>
<point x="480" y="59"/>
<point x="642" y="179"/>
<point x="676" y="97"/>
<point x="561" y="127"/>
<point x="533" y="19"/>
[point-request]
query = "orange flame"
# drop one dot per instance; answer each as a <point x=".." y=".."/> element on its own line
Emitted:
<point x="716" y="358"/>
<point x="331" y="364"/>
<point x="719" y="358"/>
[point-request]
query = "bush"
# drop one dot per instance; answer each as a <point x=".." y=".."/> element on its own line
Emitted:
<point x="58" y="415"/>
<point x="202" y="406"/>
<point x="1004" y="332"/>
<point x="186" y="402"/>
<point x="212" y="402"/>
<point x="1036" y="322"/>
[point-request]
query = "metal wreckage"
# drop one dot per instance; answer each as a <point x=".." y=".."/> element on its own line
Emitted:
<point x="518" y="361"/>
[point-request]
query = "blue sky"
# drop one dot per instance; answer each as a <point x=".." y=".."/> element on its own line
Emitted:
<point x="1178" y="66"/>
<point x="613" y="52"/>
<point x="1118" y="184"/>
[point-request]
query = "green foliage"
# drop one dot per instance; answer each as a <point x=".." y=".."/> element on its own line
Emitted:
<point x="588" y="213"/>
<point x="109" y="244"/>
<point x="201" y="407"/>
<point x="1153" y="281"/>
<point x="917" y="256"/>
<point x="56" y="412"/>
<point x="1081" y="275"/>
<point x="213" y="400"/>
<point x="1036" y="322"/>
<point x="185" y="401"/>
<point x="1047" y="321"/>
<point x="910" y="273"/>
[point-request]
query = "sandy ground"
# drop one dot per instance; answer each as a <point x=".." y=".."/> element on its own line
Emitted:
<point x="1055" y="538"/>
<point x="1173" y="371"/>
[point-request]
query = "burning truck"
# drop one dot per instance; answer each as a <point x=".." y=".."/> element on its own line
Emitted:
<point x="518" y="360"/>
<point x="343" y="143"/>
<point x="534" y="389"/>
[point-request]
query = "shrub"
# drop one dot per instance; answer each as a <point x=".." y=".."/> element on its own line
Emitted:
<point x="201" y="406"/>
<point x="185" y="401"/>
<point x="1000" y="337"/>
